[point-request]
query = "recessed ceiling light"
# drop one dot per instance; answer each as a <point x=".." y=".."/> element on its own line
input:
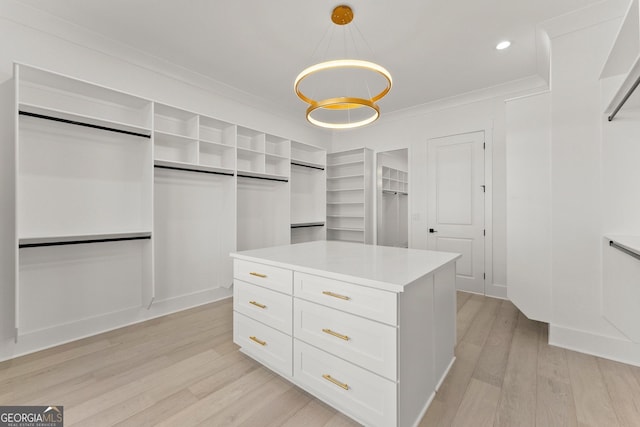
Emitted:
<point x="503" y="45"/>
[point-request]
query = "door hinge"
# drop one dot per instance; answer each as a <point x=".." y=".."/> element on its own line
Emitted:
<point x="484" y="188"/>
<point x="484" y="145"/>
<point x="484" y="276"/>
<point x="484" y="232"/>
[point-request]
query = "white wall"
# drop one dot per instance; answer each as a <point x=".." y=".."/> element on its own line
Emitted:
<point x="34" y="38"/>
<point x="413" y="128"/>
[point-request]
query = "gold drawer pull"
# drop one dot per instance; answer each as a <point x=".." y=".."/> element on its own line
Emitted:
<point x="335" y="334"/>
<point x="331" y="294"/>
<point x="336" y="382"/>
<point x="257" y="304"/>
<point x="254" y="339"/>
<point x="253" y="273"/>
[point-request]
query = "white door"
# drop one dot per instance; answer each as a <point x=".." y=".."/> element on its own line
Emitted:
<point x="456" y="204"/>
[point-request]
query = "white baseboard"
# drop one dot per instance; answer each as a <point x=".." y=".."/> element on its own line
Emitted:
<point x="496" y="291"/>
<point x="42" y="339"/>
<point x="446" y="372"/>
<point x="424" y="410"/>
<point x="607" y="347"/>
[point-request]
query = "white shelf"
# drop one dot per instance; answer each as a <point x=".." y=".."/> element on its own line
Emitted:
<point x="79" y="119"/>
<point x="174" y="136"/>
<point x="167" y="164"/>
<point x="356" y="162"/>
<point x="357" y="230"/>
<point x="249" y="150"/>
<point x="345" y="203"/>
<point x="345" y="216"/>
<point x="276" y="156"/>
<point x="219" y="144"/>
<point x="346" y="176"/>
<point x="83" y="238"/>
<point x="345" y="189"/>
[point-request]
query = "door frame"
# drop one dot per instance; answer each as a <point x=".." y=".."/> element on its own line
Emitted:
<point x="490" y="289"/>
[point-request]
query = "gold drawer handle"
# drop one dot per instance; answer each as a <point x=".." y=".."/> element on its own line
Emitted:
<point x="253" y="273"/>
<point x="257" y="304"/>
<point x="331" y="294"/>
<point x="335" y="334"/>
<point x="254" y="339"/>
<point x="336" y="382"/>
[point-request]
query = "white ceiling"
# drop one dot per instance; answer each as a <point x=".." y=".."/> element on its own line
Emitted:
<point x="433" y="49"/>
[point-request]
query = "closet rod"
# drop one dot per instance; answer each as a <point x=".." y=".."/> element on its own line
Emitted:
<point x="88" y="125"/>
<point x="624" y="99"/>
<point x="192" y="170"/>
<point x="312" y="224"/>
<point x="623" y="249"/>
<point x="80" y="242"/>
<point x="307" y="166"/>
<point x="263" y="177"/>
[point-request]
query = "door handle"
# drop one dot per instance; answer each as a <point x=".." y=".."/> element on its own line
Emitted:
<point x="431" y="230"/>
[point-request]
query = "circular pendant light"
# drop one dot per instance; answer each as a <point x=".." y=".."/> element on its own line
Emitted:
<point x="343" y="15"/>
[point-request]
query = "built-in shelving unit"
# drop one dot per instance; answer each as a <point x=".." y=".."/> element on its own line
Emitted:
<point x="350" y="184"/>
<point x="394" y="180"/>
<point x="308" y="192"/>
<point x="133" y="206"/>
<point x="83" y="199"/>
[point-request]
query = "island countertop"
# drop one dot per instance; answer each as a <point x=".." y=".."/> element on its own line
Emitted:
<point x="380" y="267"/>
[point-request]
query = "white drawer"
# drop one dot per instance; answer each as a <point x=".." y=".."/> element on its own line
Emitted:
<point x="364" y="342"/>
<point x="366" y="302"/>
<point x="278" y="279"/>
<point x="367" y="397"/>
<point x="268" y="346"/>
<point x="264" y="305"/>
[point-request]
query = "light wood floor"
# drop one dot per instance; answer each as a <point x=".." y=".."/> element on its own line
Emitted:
<point x="183" y="370"/>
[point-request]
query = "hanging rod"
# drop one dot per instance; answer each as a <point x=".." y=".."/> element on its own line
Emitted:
<point x="263" y="177"/>
<point x="180" y="168"/>
<point x="88" y="125"/>
<point x="623" y="249"/>
<point x="308" y="224"/>
<point x="307" y="166"/>
<point x="80" y="242"/>
<point x="624" y="99"/>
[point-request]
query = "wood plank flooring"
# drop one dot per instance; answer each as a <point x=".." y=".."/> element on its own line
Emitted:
<point x="184" y="370"/>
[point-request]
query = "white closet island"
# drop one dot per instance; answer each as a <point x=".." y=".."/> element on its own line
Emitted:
<point x="370" y="330"/>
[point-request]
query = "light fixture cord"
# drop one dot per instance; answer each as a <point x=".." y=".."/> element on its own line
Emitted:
<point x="373" y="55"/>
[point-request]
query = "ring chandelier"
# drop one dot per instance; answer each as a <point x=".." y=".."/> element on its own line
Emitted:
<point x="343" y="15"/>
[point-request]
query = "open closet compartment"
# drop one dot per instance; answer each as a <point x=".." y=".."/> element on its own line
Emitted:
<point x="620" y="79"/>
<point x="392" y="191"/>
<point x="83" y="201"/>
<point x="308" y="192"/>
<point x="350" y="187"/>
